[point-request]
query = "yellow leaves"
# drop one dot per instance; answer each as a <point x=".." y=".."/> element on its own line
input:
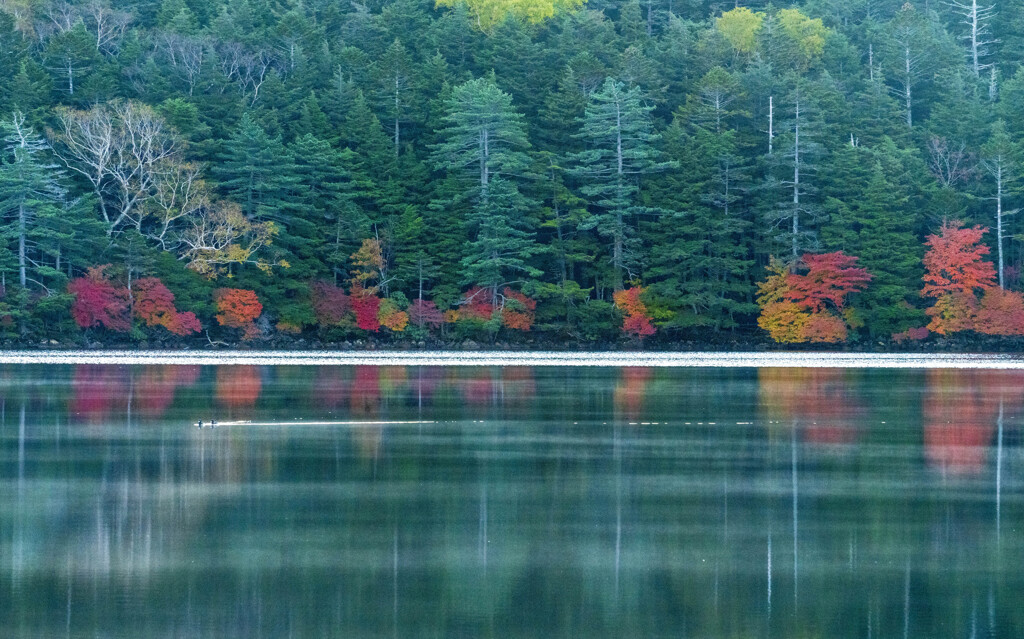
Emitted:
<point x="490" y="13"/>
<point x="220" y="235"/>
<point x="774" y="287"/>
<point x="808" y="33"/>
<point x="784" y="322"/>
<point x="740" y="28"/>
<point x="369" y="260"/>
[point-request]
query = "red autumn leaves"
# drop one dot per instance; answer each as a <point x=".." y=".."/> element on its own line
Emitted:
<point x="636" y="321"/>
<point x="964" y="286"/>
<point x="238" y="308"/>
<point x="101" y="302"/>
<point x="810" y="306"/>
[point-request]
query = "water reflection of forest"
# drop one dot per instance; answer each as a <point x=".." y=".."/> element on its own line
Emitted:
<point x="529" y="491"/>
<point x="959" y="411"/>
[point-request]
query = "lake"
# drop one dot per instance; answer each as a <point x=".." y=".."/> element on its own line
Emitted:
<point x="428" y="501"/>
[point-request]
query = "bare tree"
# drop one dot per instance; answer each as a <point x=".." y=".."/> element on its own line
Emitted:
<point x="179" y="192"/>
<point x="247" y="69"/>
<point x="979" y="35"/>
<point x="108" y="25"/>
<point x="948" y="161"/>
<point x="909" y="59"/>
<point x="60" y="18"/>
<point x="218" y="235"/>
<point x="185" y="54"/>
<point x="122" y="148"/>
<point x="999" y="160"/>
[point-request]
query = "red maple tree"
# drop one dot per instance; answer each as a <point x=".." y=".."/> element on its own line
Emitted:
<point x="366" y="306"/>
<point x="330" y="303"/>
<point x="809" y="307"/>
<point x="98" y="302"/>
<point x="425" y="313"/>
<point x="476" y="305"/>
<point x="1000" y="312"/>
<point x="153" y="303"/>
<point x="636" y="321"/>
<point x="830" y="278"/>
<point x="955" y="274"/>
<point x="238" y="308"/>
<point x="517" y="313"/>
<point x="953" y="262"/>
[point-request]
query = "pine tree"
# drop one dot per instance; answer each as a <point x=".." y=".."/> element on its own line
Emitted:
<point x="869" y="221"/>
<point x="701" y="270"/>
<point x="484" y="137"/>
<point x="30" y="198"/>
<point x="503" y="240"/>
<point x="257" y="172"/>
<point x="483" y="144"/>
<point x="332" y="222"/>
<point x="618" y="129"/>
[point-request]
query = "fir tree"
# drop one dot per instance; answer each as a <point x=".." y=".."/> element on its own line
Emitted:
<point x="618" y="131"/>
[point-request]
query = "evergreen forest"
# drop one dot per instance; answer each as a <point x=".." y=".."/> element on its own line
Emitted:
<point x="515" y="171"/>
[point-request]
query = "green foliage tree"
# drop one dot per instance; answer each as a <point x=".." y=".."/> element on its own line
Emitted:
<point x="621" y="150"/>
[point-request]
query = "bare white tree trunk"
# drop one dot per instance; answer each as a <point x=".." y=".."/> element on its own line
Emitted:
<point x="796" y="180"/>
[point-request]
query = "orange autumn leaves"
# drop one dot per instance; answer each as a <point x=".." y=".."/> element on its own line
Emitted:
<point x="811" y="306"/>
<point x="807" y="302"/>
<point x="964" y="286"/>
<point x="636" y="321"/>
<point x="100" y="301"/>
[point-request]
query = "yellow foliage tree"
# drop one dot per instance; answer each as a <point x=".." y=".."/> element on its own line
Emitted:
<point x="808" y="34"/>
<point x="489" y="13"/>
<point x="740" y="27"/>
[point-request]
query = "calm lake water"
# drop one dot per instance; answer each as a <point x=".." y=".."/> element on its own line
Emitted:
<point x="528" y="502"/>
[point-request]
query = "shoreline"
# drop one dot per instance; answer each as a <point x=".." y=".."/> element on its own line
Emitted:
<point x="679" y="359"/>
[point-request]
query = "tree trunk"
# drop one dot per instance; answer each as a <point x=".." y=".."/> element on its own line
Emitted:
<point x="396" y="116"/>
<point x="619" y="230"/>
<point x="485" y="175"/>
<point x="908" y="79"/>
<point x="999" y="220"/>
<point x="22" y="275"/>
<point x="796" y="182"/>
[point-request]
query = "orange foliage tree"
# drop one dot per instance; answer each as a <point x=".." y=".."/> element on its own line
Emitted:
<point x="366" y="281"/>
<point x="391" y="317"/>
<point x="238" y="308"/>
<point x="636" y="321"/>
<point x="98" y="302"/>
<point x="954" y="275"/>
<point x="810" y="306"/>
<point x="518" y="311"/>
<point x="1000" y="312"/>
<point x="153" y="303"/>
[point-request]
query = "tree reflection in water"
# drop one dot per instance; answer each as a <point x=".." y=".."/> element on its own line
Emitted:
<point x="771" y="503"/>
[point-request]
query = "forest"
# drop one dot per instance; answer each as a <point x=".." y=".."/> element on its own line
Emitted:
<point x="569" y="171"/>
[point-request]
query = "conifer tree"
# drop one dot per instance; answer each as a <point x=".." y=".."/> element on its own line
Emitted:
<point x="484" y="143"/>
<point x="30" y="197"/>
<point x="618" y="131"/>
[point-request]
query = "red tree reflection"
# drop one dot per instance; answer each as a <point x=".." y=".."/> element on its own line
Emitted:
<point x="478" y="389"/>
<point x="238" y="386"/>
<point x="631" y="390"/>
<point x="960" y="408"/>
<point x="819" y="400"/>
<point x="365" y="391"/>
<point x="155" y="386"/>
<point x="98" y="390"/>
<point x="332" y="387"/>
